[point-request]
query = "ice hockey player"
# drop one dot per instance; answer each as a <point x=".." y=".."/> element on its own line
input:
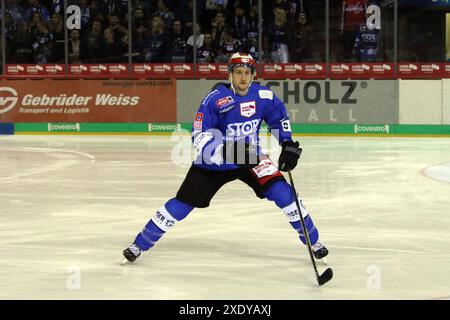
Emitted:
<point x="225" y="134"/>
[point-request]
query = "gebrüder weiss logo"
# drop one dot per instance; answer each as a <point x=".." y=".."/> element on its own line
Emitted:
<point x="8" y="99"/>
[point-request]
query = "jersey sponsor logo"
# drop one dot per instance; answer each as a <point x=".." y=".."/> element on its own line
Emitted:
<point x="293" y="216"/>
<point x="286" y="125"/>
<point x="369" y="37"/>
<point x="163" y="219"/>
<point x="226" y="109"/>
<point x="265" y="94"/>
<point x="201" y="140"/>
<point x="224" y="101"/>
<point x="265" y="168"/>
<point x="291" y="211"/>
<point x="248" y="109"/>
<point x="198" y="120"/>
<point x="243" y="129"/>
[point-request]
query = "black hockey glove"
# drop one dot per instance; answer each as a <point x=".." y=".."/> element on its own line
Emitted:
<point x="290" y="153"/>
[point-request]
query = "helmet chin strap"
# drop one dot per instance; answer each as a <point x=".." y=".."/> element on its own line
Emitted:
<point x="241" y="93"/>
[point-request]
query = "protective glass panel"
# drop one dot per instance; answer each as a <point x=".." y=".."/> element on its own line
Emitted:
<point x="361" y="30"/>
<point x="422" y="29"/>
<point x="294" y="31"/>
<point x="29" y="37"/>
<point x="160" y="30"/>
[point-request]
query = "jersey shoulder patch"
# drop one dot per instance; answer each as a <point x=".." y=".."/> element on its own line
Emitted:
<point x="265" y="94"/>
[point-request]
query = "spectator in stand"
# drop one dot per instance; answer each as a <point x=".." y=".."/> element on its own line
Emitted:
<point x="218" y="27"/>
<point x="214" y="6"/>
<point x="295" y="7"/>
<point x="277" y="39"/>
<point x="138" y="32"/>
<point x="190" y="43"/>
<point x="35" y="6"/>
<point x="285" y="4"/>
<point x="185" y="13"/>
<point x="157" y="43"/>
<point x="229" y="46"/>
<point x="56" y="27"/>
<point x="252" y="23"/>
<point x="199" y="37"/>
<point x="10" y="30"/>
<point x="94" y="41"/>
<point x="41" y="39"/>
<point x="300" y="45"/>
<point x="20" y="46"/>
<point x="107" y="7"/>
<point x="239" y="23"/>
<point x="250" y="46"/>
<point x="268" y="10"/>
<point x="57" y="6"/>
<point x="77" y="47"/>
<point x="115" y="24"/>
<point x="96" y="12"/>
<point x="146" y="5"/>
<point x="166" y="15"/>
<point x="206" y="54"/>
<point x="16" y="11"/>
<point x="178" y="43"/>
<point x="10" y="25"/>
<point x="139" y="19"/>
<point x="86" y="16"/>
<point x="113" y="50"/>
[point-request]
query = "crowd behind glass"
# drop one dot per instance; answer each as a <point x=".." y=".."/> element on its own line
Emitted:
<point x="163" y="31"/>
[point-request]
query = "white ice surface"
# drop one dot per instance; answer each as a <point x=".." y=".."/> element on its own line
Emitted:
<point x="69" y="205"/>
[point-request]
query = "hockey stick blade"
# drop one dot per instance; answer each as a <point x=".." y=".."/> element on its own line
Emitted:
<point x="325" y="276"/>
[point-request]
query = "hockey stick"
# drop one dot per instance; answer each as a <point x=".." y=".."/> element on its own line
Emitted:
<point x="327" y="274"/>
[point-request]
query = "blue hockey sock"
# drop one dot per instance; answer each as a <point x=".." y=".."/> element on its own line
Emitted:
<point x="293" y="215"/>
<point x="284" y="197"/>
<point x="312" y="231"/>
<point x="174" y="210"/>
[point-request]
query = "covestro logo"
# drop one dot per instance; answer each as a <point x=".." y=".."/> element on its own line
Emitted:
<point x="8" y="99"/>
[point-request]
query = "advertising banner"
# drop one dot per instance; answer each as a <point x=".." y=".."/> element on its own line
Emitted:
<point x="313" y="101"/>
<point x="35" y="69"/>
<point x="178" y="70"/>
<point x="212" y="70"/>
<point x="362" y="70"/>
<point x="420" y="70"/>
<point x="270" y="71"/>
<point x="61" y="101"/>
<point x="446" y="71"/>
<point x="99" y="69"/>
<point x="293" y="70"/>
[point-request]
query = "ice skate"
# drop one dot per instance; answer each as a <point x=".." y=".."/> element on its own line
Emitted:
<point x="319" y="250"/>
<point x="131" y="253"/>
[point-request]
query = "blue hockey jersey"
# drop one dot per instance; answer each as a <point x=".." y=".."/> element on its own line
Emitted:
<point x="366" y="44"/>
<point x="224" y="116"/>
